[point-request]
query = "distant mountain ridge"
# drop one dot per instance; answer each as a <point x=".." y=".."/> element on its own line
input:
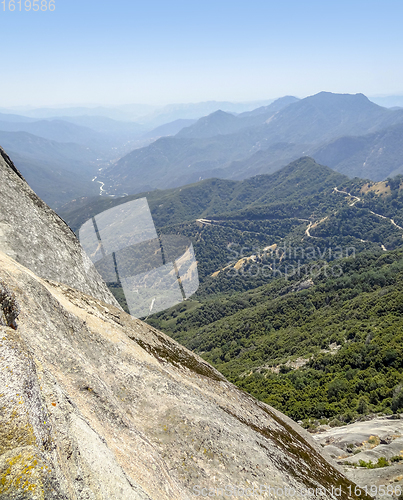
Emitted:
<point x="104" y="125"/>
<point x="171" y="112"/>
<point x="374" y="156"/>
<point x="222" y="123"/>
<point x="218" y="123"/>
<point x="348" y="132"/>
<point x="56" y="130"/>
<point x="149" y="115"/>
<point x="271" y="108"/>
<point x="58" y="172"/>
<point x="193" y="154"/>
<point x="325" y="115"/>
<point x="171" y="128"/>
<point x="10" y="117"/>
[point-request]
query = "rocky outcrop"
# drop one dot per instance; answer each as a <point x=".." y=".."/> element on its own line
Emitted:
<point x="96" y="405"/>
<point x="32" y="234"/>
<point x="369" y="441"/>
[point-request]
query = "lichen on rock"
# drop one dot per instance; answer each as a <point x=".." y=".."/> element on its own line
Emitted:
<point x="27" y="455"/>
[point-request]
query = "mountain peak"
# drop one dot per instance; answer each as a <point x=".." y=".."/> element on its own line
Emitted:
<point x="219" y="113"/>
<point x="217" y="123"/>
<point x="340" y="99"/>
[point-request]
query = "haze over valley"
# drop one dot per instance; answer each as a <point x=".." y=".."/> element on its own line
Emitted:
<point x="84" y="153"/>
<point x="201" y="250"/>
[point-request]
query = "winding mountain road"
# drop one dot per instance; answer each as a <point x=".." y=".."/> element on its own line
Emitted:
<point x="356" y="199"/>
<point x="374" y="213"/>
<point x="349" y="194"/>
<point x="308" y="229"/>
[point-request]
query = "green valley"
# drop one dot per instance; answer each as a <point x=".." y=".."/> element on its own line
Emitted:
<point x="301" y="283"/>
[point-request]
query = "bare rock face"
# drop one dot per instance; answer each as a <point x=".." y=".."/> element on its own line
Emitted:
<point x="368" y="440"/>
<point x="32" y="234"/>
<point x="96" y="405"/>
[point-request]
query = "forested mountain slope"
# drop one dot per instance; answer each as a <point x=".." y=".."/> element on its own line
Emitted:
<point x="302" y="268"/>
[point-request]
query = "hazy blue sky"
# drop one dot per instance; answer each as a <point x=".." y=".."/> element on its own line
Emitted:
<point x="126" y="51"/>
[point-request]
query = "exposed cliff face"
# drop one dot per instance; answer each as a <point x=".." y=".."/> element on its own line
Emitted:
<point x="32" y="234"/>
<point x="99" y="405"/>
<point x="96" y="405"/>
